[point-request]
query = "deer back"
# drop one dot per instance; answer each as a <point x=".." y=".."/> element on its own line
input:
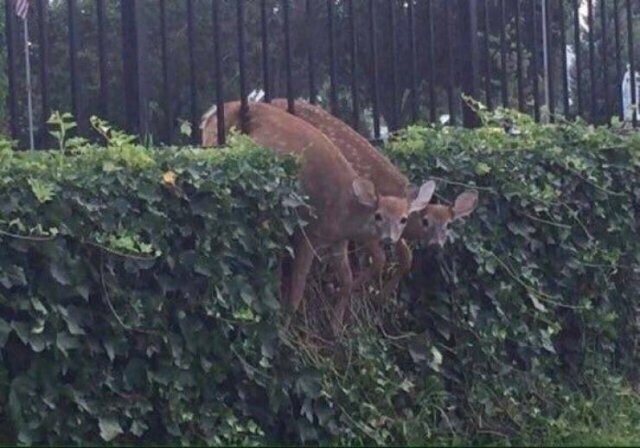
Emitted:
<point x="364" y="157"/>
<point x="326" y="176"/>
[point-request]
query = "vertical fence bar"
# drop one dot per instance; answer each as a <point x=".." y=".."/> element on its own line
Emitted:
<point x="450" y="63"/>
<point x="313" y="93"/>
<point x="471" y="58"/>
<point x="134" y="56"/>
<point x="519" y="62"/>
<point x="605" y="60"/>
<point x="129" y="64"/>
<point x="616" y="26"/>
<point x="414" y="61"/>
<point x="218" y="72"/>
<point x="394" y="62"/>
<point x="193" y="91"/>
<point x="43" y="23"/>
<point x="374" y="75"/>
<point x="287" y="55"/>
<point x="10" y="21"/>
<point x="355" y="103"/>
<point x="632" y="65"/>
<point x="102" y="58"/>
<point x="244" y="105"/>
<point x="264" y="31"/>
<point x="431" y="51"/>
<point x="534" y="60"/>
<point x="503" y="54"/>
<point x="166" y="105"/>
<point x="550" y="86"/>
<point x="487" y="55"/>
<point x="563" y="53"/>
<point x="72" y="17"/>
<point x="592" y="59"/>
<point x="333" y="93"/>
<point x="578" y="51"/>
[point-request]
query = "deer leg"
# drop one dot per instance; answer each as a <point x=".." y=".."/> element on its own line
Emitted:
<point x="378" y="260"/>
<point x="300" y="268"/>
<point x="284" y="277"/>
<point x="405" y="259"/>
<point x="342" y="268"/>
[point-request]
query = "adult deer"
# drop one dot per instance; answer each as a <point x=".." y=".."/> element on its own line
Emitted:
<point x="429" y="223"/>
<point x="345" y="204"/>
<point x="404" y="201"/>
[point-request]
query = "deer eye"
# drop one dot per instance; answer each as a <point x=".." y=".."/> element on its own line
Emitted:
<point x="403" y="220"/>
<point x="378" y="216"/>
<point x="425" y="222"/>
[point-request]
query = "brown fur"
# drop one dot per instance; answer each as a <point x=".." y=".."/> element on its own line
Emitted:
<point x="390" y="183"/>
<point x="363" y="157"/>
<point x="325" y="174"/>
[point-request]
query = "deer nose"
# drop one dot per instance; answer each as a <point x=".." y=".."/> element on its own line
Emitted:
<point x="387" y="240"/>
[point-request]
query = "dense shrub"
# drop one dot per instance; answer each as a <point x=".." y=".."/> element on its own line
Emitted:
<point x="540" y="288"/>
<point x="142" y="285"/>
<point x="138" y="297"/>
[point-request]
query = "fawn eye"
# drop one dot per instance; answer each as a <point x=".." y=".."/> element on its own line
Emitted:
<point x="378" y="216"/>
<point x="425" y="222"/>
<point x="403" y="220"/>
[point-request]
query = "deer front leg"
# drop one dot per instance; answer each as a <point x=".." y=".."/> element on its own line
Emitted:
<point x="300" y="267"/>
<point x="284" y="277"/>
<point x="405" y="260"/>
<point x="342" y="268"/>
<point x="378" y="260"/>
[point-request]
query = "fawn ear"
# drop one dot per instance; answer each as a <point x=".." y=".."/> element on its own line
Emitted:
<point x="465" y="203"/>
<point x="421" y="199"/>
<point x="365" y="192"/>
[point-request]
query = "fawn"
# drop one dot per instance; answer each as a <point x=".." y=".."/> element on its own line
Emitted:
<point x="346" y="205"/>
<point x="432" y="228"/>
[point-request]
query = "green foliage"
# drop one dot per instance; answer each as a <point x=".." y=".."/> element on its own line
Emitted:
<point x="121" y="271"/>
<point x="138" y="298"/>
<point x="608" y="415"/>
<point x="63" y="124"/>
<point x="537" y="294"/>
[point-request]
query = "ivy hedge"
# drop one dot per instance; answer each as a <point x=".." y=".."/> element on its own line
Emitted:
<point x="540" y="290"/>
<point x="136" y="290"/>
<point x="138" y="295"/>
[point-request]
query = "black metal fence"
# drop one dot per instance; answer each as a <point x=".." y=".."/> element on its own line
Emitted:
<point x="148" y="64"/>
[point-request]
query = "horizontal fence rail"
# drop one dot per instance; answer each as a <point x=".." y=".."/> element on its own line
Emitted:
<point x="154" y="67"/>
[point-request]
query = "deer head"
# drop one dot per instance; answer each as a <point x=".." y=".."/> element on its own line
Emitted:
<point x="437" y="217"/>
<point x="392" y="213"/>
<point x="393" y="206"/>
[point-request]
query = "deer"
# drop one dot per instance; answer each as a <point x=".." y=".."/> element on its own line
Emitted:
<point x="432" y="228"/>
<point x="388" y="180"/>
<point x="347" y="205"/>
<point x="428" y="223"/>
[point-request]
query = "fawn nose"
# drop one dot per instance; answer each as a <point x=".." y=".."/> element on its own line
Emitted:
<point x="387" y="240"/>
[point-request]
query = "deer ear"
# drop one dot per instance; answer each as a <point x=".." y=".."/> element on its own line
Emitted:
<point x="465" y="203"/>
<point x="365" y="192"/>
<point x="423" y="197"/>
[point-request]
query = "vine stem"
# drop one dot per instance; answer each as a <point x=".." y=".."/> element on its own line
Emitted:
<point x="27" y="238"/>
<point x="107" y="300"/>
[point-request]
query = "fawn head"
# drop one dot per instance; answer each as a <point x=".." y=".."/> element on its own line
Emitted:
<point x="392" y="213"/>
<point x="437" y="217"/>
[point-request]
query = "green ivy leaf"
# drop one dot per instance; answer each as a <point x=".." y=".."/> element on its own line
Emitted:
<point x="60" y="273"/>
<point x="482" y="168"/>
<point x="5" y="331"/>
<point x="109" y="428"/>
<point x="13" y="276"/>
